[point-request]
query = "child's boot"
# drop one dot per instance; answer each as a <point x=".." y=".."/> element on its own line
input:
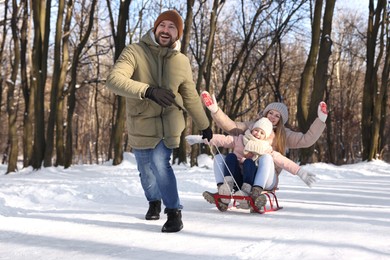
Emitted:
<point x="226" y="188"/>
<point x="258" y="198"/>
<point x="245" y="191"/>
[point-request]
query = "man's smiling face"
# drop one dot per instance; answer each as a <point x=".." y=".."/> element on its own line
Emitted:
<point x="166" y="33"/>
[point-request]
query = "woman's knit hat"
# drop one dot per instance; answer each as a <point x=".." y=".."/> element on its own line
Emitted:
<point x="280" y="107"/>
<point x="265" y="124"/>
<point x="172" y="16"/>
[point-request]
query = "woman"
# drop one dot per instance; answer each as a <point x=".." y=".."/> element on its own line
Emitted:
<point x="267" y="174"/>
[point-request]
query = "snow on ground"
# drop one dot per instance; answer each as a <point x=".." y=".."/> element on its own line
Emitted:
<point x="97" y="212"/>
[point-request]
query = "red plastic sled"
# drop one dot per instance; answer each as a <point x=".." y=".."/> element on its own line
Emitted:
<point x="271" y="205"/>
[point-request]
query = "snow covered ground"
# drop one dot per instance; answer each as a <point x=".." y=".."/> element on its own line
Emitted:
<point x="97" y="212"/>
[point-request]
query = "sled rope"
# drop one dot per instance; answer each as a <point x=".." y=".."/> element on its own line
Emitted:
<point x="221" y="171"/>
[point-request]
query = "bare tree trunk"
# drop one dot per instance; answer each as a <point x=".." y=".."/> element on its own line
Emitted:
<point x="111" y="132"/>
<point x="203" y="65"/>
<point x="187" y="27"/>
<point x="41" y="18"/>
<point x="118" y="130"/>
<point x="72" y="88"/>
<point x="320" y="78"/>
<point x="384" y="132"/>
<point x="120" y="42"/>
<point x="60" y="143"/>
<point x="29" y="108"/>
<point x="379" y="111"/>
<point x="3" y="40"/>
<point x="372" y="100"/>
<point x="308" y="71"/>
<point x="55" y="86"/>
<point x="96" y="96"/>
<point x="335" y="84"/>
<point x="369" y="81"/>
<point x="181" y="152"/>
<point x="11" y="101"/>
<point x="97" y="117"/>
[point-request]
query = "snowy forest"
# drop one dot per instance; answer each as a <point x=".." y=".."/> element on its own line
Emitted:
<point x="56" y="111"/>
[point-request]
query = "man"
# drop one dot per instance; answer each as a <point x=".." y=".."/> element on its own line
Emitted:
<point x="156" y="80"/>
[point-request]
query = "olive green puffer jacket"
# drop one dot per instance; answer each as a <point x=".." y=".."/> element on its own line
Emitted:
<point x="147" y="63"/>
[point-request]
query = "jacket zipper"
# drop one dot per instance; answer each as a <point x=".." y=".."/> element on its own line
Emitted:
<point x="162" y="109"/>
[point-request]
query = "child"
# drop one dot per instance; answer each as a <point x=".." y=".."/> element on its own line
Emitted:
<point x="246" y="150"/>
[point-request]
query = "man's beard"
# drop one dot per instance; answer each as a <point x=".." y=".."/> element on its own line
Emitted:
<point x="165" y="44"/>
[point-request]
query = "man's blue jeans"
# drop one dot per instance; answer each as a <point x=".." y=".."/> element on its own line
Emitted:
<point x="157" y="177"/>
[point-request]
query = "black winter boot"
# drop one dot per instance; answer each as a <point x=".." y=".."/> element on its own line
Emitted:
<point x="154" y="210"/>
<point x="174" y="223"/>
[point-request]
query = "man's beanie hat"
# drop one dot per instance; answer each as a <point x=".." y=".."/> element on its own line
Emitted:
<point x="280" y="107"/>
<point x="265" y="124"/>
<point x="172" y="16"/>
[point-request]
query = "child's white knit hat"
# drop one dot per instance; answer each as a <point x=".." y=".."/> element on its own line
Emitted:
<point x="264" y="124"/>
